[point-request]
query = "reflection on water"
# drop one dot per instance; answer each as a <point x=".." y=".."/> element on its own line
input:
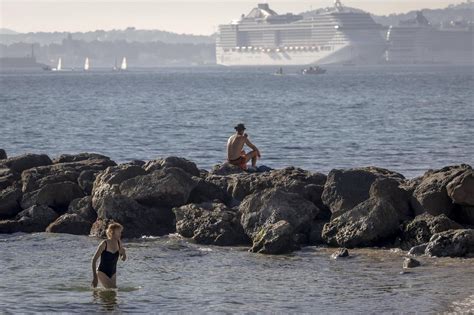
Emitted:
<point x="106" y="298"/>
<point x="172" y="275"/>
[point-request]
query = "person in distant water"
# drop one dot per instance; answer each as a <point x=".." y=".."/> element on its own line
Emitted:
<point x="109" y="252"/>
<point x="235" y="153"/>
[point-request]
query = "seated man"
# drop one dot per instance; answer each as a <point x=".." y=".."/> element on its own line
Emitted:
<point x="235" y="145"/>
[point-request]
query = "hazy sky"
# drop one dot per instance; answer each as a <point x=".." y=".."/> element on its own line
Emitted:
<point x="190" y="16"/>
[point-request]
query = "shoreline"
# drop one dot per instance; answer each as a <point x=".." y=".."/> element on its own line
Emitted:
<point x="273" y="212"/>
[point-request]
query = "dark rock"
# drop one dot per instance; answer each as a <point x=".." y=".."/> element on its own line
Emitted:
<point x="275" y="238"/>
<point x="452" y="243"/>
<point x="3" y="154"/>
<point x="172" y="161"/>
<point x="210" y="223"/>
<point x="25" y="162"/>
<point x="273" y="205"/>
<point x="86" y="181"/>
<point x="372" y="222"/>
<point x="77" y="220"/>
<point x="34" y="219"/>
<point x="418" y="250"/>
<point x="410" y="263"/>
<point x="464" y="215"/>
<point x="344" y="189"/>
<point x="9" y="201"/>
<point x="206" y="190"/>
<point x="136" y="163"/>
<point x="340" y="253"/>
<point x="431" y="194"/>
<point x="137" y="219"/>
<point x="67" y="158"/>
<point x="56" y="195"/>
<point x="421" y="229"/>
<point x="7" y="177"/>
<point x="461" y="188"/>
<point x="315" y="236"/>
<point x="166" y="187"/>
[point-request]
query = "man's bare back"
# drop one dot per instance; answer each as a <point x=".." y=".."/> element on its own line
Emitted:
<point x="235" y="145"/>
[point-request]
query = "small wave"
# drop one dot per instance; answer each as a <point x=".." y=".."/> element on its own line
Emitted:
<point x="465" y="306"/>
<point x="205" y="249"/>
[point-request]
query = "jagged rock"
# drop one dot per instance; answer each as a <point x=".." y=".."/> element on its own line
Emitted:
<point x="3" y="154"/>
<point x="77" y="220"/>
<point x="33" y="219"/>
<point x="344" y="189"/>
<point x="68" y="158"/>
<point x="9" y="201"/>
<point x="172" y="161"/>
<point x="373" y="221"/>
<point x="206" y="190"/>
<point x="431" y="194"/>
<point x="461" y="188"/>
<point x="418" y="250"/>
<point x="421" y="229"/>
<point x="7" y="177"/>
<point x="452" y="243"/>
<point x="210" y="223"/>
<point x="275" y="238"/>
<point x="166" y="187"/>
<point x="225" y="169"/>
<point x="137" y="219"/>
<point x="273" y="205"/>
<point x="340" y="253"/>
<point x="56" y="195"/>
<point x="410" y="263"/>
<point x="24" y="162"/>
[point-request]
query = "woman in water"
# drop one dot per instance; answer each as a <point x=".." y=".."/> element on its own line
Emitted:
<point x="109" y="252"/>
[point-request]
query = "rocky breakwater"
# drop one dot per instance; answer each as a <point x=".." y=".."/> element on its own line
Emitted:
<point x="273" y="212"/>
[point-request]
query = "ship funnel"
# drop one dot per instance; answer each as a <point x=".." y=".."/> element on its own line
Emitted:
<point x="338" y="5"/>
<point x="264" y="6"/>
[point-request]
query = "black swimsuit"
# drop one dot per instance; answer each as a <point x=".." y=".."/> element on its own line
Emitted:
<point x="108" y="261"/>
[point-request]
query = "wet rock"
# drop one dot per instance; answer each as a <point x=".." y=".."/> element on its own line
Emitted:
<point x="461" y="188"/>
<point x="33" y="219"/>
<point x="56" y="195"/>
<point x="206" y="190"/>
<point x="344" y="189"/>
<point x="452" y="243"/>
<point x="3" y="154"/>
<point x="431" y="194"/>
<point x="138" y="220"/>
<point x="170" y="162"/>
<point x="315" y="236"/>
<point x="372" y="222"/>
<point x="210" y="223"/>
<point x="275" y="238"/>
<point x="25" y="162"/>
<point x="418" y="250"/>
<point x="77" y="220"/>
<point x="410" y="263"/>
<point x="10" y="202"/>
<point x="423" y="227"/>
<point x="273" y="205"/>
<point x="340" y="253"/>
<point x="166" y="187"/>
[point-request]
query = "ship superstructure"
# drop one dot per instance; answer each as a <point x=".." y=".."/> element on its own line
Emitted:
<point x="335" y="36"/>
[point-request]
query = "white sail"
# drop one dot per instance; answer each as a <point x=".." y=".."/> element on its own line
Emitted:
<point x="59" y="68"/>
<point x="123" y="66"/>
<point x="86" y="64"/>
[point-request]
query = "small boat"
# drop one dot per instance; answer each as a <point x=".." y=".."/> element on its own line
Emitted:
<point x="59" y="67"/>
<point x="279" y="71"/>
<point x="313" y="70"/>
<point x="123" y="66"/>
<point x="86" y="64"/>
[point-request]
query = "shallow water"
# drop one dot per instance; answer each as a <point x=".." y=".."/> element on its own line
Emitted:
<point x="51" y="272"/>
<point x="408" y="119"/>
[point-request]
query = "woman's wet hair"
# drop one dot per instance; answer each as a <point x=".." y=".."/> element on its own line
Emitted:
<point x="112" y="227"/>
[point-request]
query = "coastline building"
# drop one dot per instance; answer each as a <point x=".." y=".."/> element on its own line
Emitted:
<point x="336" y="36"/>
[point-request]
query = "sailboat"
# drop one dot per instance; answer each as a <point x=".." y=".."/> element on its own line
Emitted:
<point x="86" y="64"/>
<point x="59" y="67"/>
<point x="123" y="66"/>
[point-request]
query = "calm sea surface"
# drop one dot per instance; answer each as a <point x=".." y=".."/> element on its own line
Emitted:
<point x="407" y="119"/>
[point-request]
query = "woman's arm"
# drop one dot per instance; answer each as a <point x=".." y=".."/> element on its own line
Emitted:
<point x="97" y="254"/>
<point x="122" y="252"/>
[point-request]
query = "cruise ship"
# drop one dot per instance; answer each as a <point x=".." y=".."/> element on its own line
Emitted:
<point x="335" y="36"/>
<point x="417" y="41"/>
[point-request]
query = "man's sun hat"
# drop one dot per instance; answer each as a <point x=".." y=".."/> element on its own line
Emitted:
<point x="239" y="127"/>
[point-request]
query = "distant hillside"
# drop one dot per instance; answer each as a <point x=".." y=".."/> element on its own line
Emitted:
<point x="7" y="31"/>
<point x="130" y="35"/>
<point x="463" y="11"/>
